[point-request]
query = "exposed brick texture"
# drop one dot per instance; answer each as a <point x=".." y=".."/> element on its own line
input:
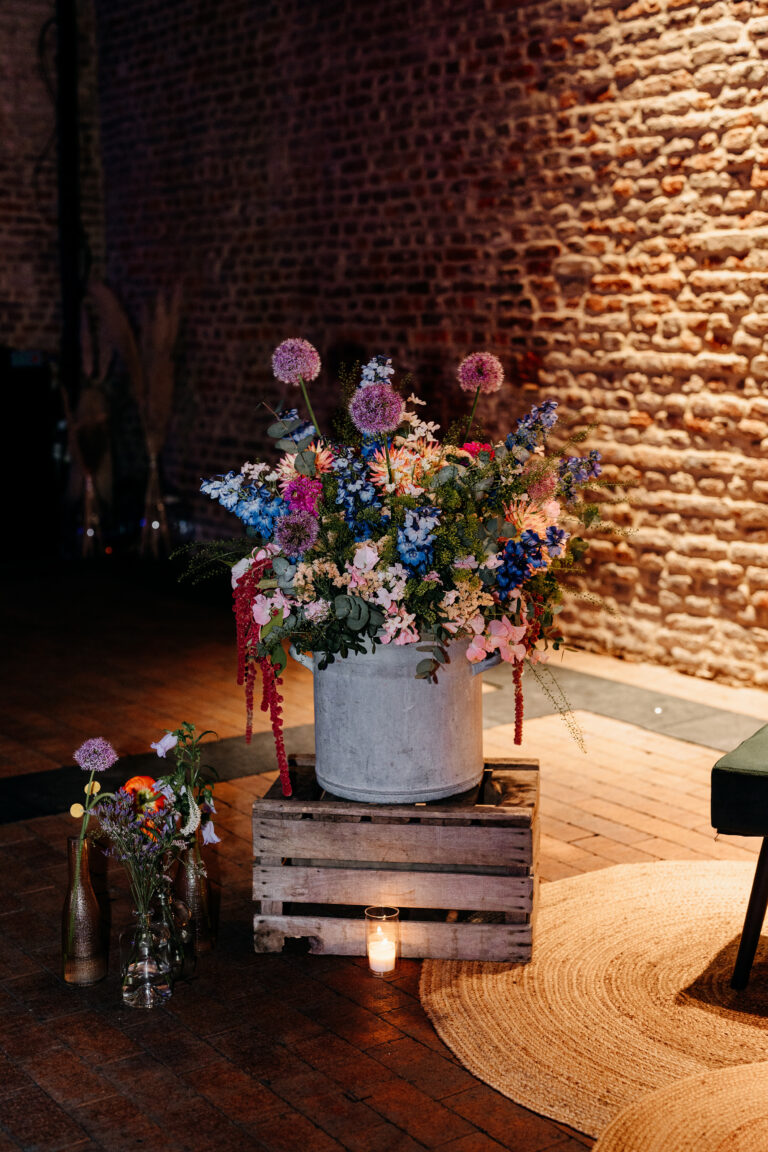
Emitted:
<point x="581" y="177"/>
<point x="29" y="269"/>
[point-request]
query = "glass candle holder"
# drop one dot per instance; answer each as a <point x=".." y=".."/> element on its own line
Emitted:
<point x="382" y="935"/>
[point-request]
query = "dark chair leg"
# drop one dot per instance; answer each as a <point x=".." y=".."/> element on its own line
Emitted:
<point x="753" y="921"/>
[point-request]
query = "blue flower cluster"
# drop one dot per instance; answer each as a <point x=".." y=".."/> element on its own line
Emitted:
<point x="252" y="503"/>
<point x="576" y="470"/>
<point x="356" y="491"/>
<point x="555" y="540"/>
<point x="371" y="445"/>
<point x="306" y="428"/>
<point x="531" y="430"/>
<point x="521" y="558"/>
<point x="415" y="540"/>
<point x="378" y="370"/>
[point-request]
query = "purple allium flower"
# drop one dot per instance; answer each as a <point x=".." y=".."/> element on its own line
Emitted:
<point x="95" y="755"/>
<point x="296" y="532"/>
<point x="376" y="409"/>
<point x="295" y="360"/>
<point x="481" y="370"/>
<point x="302" y="494"/>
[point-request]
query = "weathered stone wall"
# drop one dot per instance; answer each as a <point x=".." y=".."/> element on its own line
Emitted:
<point x="29" y="264"/>
<point x="579" y="177"/>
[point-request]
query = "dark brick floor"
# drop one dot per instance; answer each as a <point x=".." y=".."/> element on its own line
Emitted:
<point x="285" y="1053"/>
<point x="279" y="1052"/>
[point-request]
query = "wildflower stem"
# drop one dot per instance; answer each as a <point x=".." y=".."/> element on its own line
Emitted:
<point x="472" y="413"/>
<point x="389" y="462"/>
<point x="312" y="416"/>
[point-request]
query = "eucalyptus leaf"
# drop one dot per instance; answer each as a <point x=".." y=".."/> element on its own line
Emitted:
<point x="285" y="577"/>
<point x="304" y="463"/>
<point x="305" y="443"/>
<point x="342" y="606"/>
<point x="283" y="428"/>
<point x="286" y="445"/>
<point x="280" y="564"/>
<point x="275" y="622"/>
<point x="444" y="476"/>
<point x="425" y="668"/>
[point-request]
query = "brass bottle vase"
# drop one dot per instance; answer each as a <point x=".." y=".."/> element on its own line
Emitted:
<point x="83" y="947"/>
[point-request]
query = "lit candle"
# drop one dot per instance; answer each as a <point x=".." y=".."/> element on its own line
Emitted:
<point x="382" y="953"/>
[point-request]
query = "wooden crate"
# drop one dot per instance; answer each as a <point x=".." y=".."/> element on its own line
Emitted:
<point x="461" y="870"/>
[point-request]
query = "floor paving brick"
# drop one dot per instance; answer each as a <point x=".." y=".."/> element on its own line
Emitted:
<point x="34" y="1120"/>
<point x="423" y="1067"/>
<point x="278" y="1053"/>
<point x="505" y="1121"/>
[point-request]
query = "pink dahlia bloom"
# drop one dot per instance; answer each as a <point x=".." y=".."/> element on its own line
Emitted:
<point x="295" y="360"/>
<point x="474" y="447"/>
<point x="481" y="370"/>
<point x="376" y="409"/>
<point x="302" y="493"/>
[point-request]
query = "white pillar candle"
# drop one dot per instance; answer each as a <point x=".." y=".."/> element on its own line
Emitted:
<point x="382" y="953"/>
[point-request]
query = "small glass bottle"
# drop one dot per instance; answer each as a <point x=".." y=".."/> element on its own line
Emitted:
<point x="144" y="963"/>
<point x="83" y="949"/>
<point x="174" y="914"/>
<point x="192" y="887"/>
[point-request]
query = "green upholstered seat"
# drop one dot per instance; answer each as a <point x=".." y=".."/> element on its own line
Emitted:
<point x="740" y="788"/>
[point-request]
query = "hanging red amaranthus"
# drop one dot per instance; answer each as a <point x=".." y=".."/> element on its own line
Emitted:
<point x="248" y="634"/>
<point x="531" y="637"/>
<point x="272" y="700"/>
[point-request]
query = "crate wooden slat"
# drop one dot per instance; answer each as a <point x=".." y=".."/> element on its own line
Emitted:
<point x="447" y="864"/>
<point x="336" y="936"/>
<point x="478" y="891"/>
<point x="402" y="843"/>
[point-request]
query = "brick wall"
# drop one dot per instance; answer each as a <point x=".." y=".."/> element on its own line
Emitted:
<point x="29" y="269"/>
<point x="580" y="177"/>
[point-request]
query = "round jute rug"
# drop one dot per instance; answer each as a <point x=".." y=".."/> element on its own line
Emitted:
<point x="723" y="1111"/>
<point x="627" y="992"/>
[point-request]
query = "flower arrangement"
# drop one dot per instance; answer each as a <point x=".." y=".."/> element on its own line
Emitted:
<point x="142" y="828"/>
<point x="148" y="821"/>
<point x="388" y="535"/>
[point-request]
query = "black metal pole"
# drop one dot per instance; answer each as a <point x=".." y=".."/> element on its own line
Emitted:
<point x="68" y="147"/>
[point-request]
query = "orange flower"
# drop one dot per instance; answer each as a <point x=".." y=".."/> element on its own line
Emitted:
<point x="142" y="789"/>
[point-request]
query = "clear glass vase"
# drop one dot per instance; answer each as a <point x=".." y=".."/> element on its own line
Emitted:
<point x="144" y="963"/>
<point x="174" y="915"/>
<point x="83" y="947"/>
<point x="192" y="888"/>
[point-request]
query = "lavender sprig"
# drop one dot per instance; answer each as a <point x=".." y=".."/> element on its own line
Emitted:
<point x="139" y="841"/>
